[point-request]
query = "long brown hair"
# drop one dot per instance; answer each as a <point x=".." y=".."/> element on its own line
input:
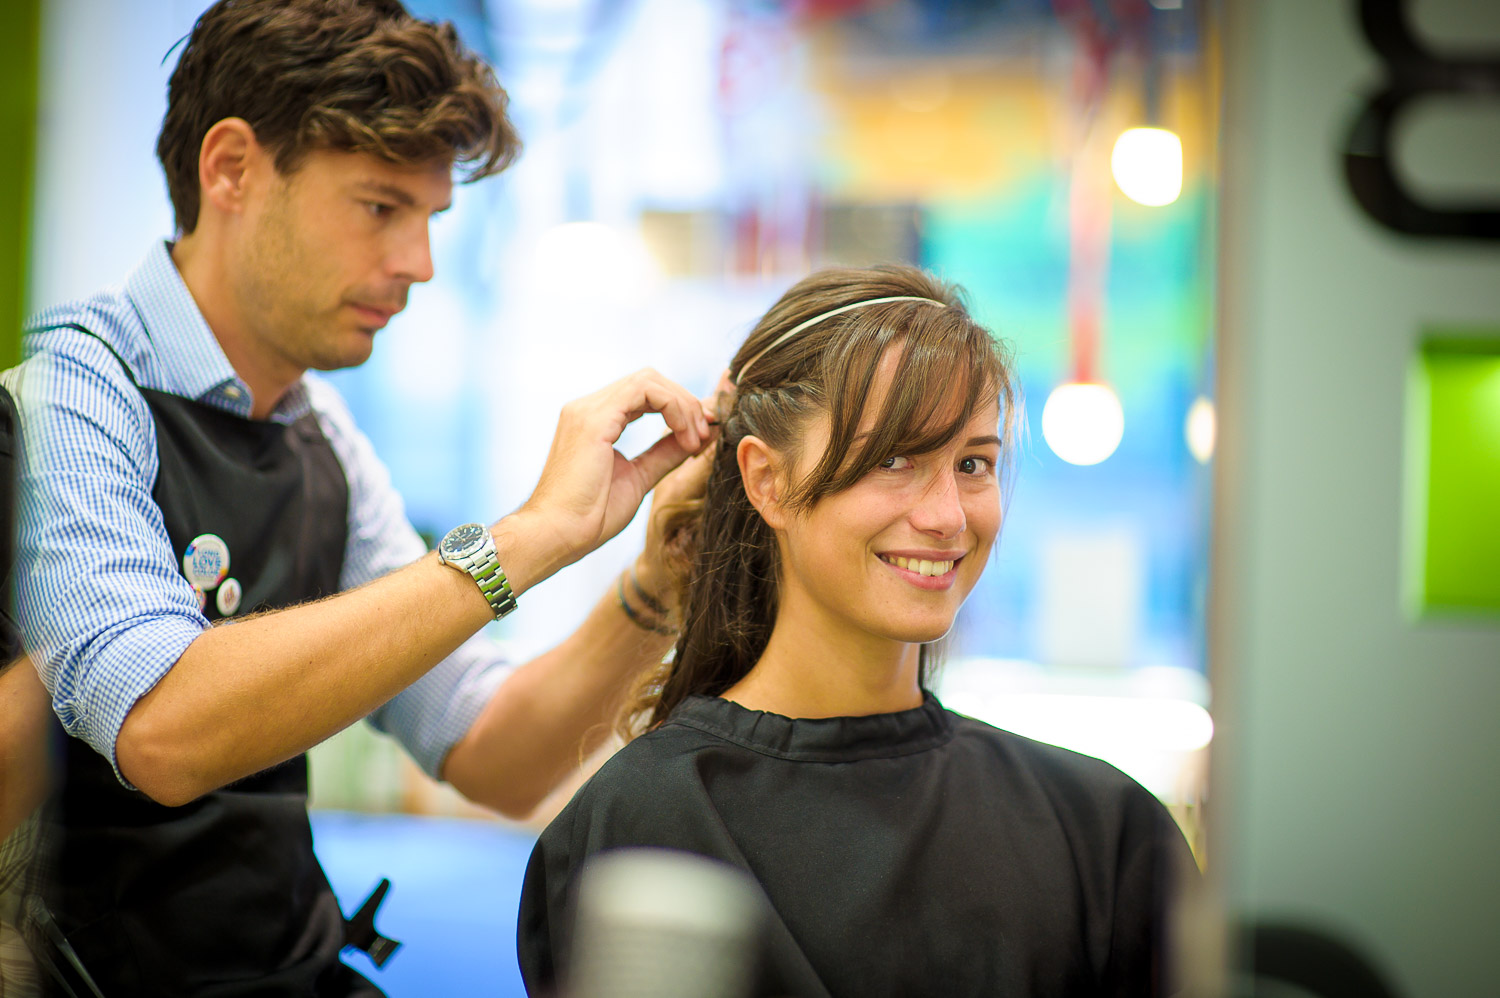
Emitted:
<point x="731" y="590"/>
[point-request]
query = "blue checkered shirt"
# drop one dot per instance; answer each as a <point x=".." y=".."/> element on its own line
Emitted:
<point x="104" y="606"/>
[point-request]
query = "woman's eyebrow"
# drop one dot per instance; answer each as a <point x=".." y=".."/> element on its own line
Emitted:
<point x="971" y="442"/>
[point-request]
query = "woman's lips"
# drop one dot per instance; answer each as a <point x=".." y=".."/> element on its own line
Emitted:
<point x="916" y="571"/>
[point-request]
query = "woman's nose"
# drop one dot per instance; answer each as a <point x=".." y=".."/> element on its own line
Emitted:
<point x="939" y="510"/>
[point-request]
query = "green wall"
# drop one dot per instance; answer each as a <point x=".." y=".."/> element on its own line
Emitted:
<point x="19" y="30"/>
<point x="1453" y="474"/>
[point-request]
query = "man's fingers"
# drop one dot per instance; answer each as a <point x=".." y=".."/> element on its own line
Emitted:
<point x="660" y="458"/>
<point x="648" y="391"/>
<point x="690" y="478"/>
<point x="586" y="486"/>
<point x="721" y="399"/>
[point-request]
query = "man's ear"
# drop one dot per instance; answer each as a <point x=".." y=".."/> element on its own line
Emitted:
<point x="761" y="473"/>
<point x="227" y="159"/>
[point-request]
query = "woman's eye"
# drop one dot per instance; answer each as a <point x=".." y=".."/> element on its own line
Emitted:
<point x="974" y="465"/>
<point x="896" y="463"/>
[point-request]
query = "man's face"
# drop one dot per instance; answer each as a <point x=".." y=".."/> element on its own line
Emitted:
<point x="329" y="252"/>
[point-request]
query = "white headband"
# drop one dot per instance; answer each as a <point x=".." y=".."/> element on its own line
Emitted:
<point x="827" y="315"/>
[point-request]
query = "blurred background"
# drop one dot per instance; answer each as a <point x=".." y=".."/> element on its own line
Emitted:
<point x="1153" y="202"/>
<point x="688" y="160"/>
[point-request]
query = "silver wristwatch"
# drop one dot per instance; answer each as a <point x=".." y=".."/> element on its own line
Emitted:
<point x="470" y="548"/>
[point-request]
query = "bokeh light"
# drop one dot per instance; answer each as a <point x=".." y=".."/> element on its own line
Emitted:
<point x="1083" y="422"/>
<point x="1201" y="429"/>
<point x="1147" y="164"/>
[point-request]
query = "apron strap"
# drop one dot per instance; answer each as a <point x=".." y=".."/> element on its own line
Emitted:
<point x="57" y="955"/>
<point x="95" y="336"/>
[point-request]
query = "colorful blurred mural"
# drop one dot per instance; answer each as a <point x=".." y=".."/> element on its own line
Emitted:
<point x="687" y="161"/>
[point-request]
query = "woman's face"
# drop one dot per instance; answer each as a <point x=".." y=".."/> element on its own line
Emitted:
<point x="895" y="555"/>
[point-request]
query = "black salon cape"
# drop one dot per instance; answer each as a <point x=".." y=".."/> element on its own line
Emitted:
<point x="914" y="853"/>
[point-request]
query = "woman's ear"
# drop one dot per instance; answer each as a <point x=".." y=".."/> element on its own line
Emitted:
<point x="760" y="471"/>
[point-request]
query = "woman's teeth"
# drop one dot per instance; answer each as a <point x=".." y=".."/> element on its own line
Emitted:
<point x="921" y="566"/>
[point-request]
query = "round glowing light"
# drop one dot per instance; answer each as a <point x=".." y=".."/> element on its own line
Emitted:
<point x="1147" y="164"/>
<point x="1083" y="422"/>
<point x="1201" y="429"/>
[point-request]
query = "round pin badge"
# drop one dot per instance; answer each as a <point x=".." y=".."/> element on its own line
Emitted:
<point x="202" y="598"/>
<point x="206" y="561"/>
<point x="228" y="598"/>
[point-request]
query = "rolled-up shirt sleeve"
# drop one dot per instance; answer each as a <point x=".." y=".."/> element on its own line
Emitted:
<point x="433" y="714"/>
<point x="103" y="607"/>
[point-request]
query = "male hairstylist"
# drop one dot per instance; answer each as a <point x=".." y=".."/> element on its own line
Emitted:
<point x="182" y="471"/>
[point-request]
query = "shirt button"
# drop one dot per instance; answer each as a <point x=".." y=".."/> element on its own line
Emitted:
<point x="232" y="392"/>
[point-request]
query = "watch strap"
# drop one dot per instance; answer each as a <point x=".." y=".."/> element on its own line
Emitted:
<point x="493" y="584"/>
<point x="483" y="566"/>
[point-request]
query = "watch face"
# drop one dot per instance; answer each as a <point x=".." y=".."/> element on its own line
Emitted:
<point x="462" y="540"/>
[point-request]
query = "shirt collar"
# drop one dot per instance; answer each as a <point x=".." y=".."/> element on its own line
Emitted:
<point x="192" y="363"/>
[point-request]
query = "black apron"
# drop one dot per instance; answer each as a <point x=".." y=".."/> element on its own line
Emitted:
<point x="222" y="896"/>
<point x="10" y="436"/>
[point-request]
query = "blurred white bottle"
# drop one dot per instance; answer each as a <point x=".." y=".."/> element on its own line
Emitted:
<point x="659" y="923"/>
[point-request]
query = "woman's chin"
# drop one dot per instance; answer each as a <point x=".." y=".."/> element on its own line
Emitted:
<point x="920" y="632"/>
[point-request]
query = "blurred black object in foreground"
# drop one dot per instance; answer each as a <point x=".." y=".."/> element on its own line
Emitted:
<point x="10" y="438"/>
<point x="1312" y="961"/>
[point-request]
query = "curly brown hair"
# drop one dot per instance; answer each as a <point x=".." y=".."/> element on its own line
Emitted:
<point x="728" y="556"/>
<point x="352" y="75"/>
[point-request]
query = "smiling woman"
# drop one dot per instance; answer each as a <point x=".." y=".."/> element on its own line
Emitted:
<point x="853" y="500"/>
<point x="871" y="434"/>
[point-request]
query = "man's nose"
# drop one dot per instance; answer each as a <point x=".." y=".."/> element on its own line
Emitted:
<point x="411" y="257"/>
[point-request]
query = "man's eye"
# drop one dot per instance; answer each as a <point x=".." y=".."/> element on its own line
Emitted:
<point x="378" y="210"/>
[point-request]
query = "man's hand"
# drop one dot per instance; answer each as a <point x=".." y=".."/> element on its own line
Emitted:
<point x="659" y="568"/>
<point x="588" y="490"/>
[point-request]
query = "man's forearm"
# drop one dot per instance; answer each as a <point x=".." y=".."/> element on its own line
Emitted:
<point x="254" y="693"/>
<point x="25" y="711"/>
<point x="248" y="695"/>
<point x="551" y="711"/>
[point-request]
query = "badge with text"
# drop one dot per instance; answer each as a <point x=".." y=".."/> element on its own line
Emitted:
<point x="206" y="561"/>
<point x="228" y="599"/>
